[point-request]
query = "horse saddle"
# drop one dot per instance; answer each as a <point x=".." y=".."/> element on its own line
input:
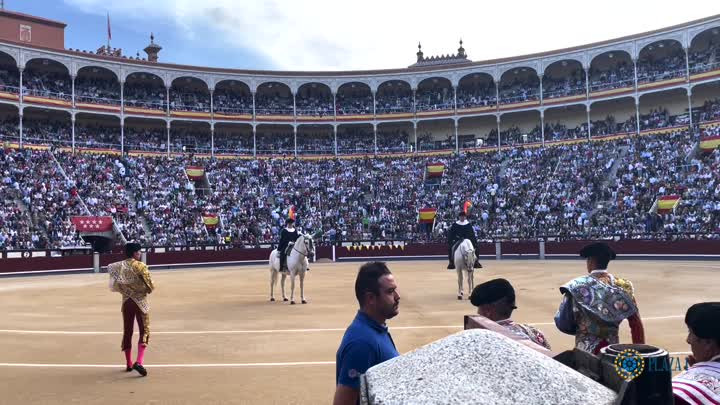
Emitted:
<point x="289" y="248"/>
<point x="455" y="246"/>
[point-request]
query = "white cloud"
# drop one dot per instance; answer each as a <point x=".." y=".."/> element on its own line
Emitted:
<point x="372" y="34"/>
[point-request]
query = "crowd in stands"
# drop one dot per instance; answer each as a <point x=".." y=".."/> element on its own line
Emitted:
<point x="558" y="131"/>
<point x="710" y="111"/>
<point x="354" y="104"/>
<point x="703" y="60"/>
<point x="661" y="118"/>
<point x="434" y="99"/>
<point x="9" y="130"/>
<point x="514" y="136"/>
<point x="317" y="105"/>
<point x="226" y="101"/>
<point x="97" y="90"/>
<point x="520" y="91"/>
<point x="598" y="188"/>
<point x="273" y="104"/>
<point x="319" y="143"/>
<point x="190" y="140"/>
<point x="15" y="225"/>
<point x="142" y="95"/>
<point x="571" y="85"/>
<point x="233" y="142"/>
<point x="41" y="198"/>
<point x="654" y="70"/>
<point x="619" y="76"/>
<point x="167" y="200"/>
<point x="476" y="96"/>
<point x="152" y="139"/>
<point x="391" y="99"/>
<point x="9" y="80"/>
<point x="394" y="102"/>
<point x="47" y="131"/>
<point x="96" y="135"/>
<point x="47" y="84"/>
<point x="275" y="143"/>
<point x="663" y="165"/>
<point x="610" y="126"/>
<point x="183" y="100"/>
<point x="101" y="182"/>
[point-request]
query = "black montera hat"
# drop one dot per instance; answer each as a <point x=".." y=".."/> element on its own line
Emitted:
<point x="131" y="248"/>
<point x="599" y="249"/>
<point x="492" y="291"/>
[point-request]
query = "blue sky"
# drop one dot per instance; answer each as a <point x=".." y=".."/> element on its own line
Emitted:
<point x="342" y="35"/>
<point x="88" y="31"/>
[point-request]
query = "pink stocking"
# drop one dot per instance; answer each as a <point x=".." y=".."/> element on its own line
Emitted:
<point x="141" y="354"/>
<point x="128" y="357"/>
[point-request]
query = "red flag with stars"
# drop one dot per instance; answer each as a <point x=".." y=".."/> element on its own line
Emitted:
<point x="92" y="224"/>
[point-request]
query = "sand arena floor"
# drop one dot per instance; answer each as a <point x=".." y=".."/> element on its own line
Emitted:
<point x="217" y="339"/>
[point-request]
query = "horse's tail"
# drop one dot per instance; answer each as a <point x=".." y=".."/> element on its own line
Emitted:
<point x="271" y="259"/>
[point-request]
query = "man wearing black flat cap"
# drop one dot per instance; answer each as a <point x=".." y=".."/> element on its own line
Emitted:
<point x="700" y="384"/>
<point x="594" y="305"/>
<point x="495" y="300"/>
<point x="131" y="278"/>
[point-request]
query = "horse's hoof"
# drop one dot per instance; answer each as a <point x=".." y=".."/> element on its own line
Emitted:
<point x="460" y="297"/>
<point x="285" y="299"/>
<point x="272" y="299"/>
<point x="304" y="302"/>
<point x="292" y="302"/>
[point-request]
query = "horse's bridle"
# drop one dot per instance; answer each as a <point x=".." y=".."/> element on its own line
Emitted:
<point x="466" y="257"/>
<point x="301" y="253"/>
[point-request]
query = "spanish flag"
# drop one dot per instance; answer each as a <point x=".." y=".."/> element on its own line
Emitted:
<point x="194" y="172"/>
<point x="667" y="203"/>
<point x="210" y="220"/>
<point x="467" y="206"/>
<point x="291" y="212"/>
<point x="435" y="169"/>
<point x="710" y="143"/>
<point x="427" y="215"/>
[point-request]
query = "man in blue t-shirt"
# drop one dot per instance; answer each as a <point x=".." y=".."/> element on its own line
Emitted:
<point x="367" y="341"/>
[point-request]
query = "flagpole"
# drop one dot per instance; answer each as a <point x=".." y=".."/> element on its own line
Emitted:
<point x="109" y="34"/>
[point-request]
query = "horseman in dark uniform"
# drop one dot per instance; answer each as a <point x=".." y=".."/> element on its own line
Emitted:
<point x="461" y="229"/>
<point x="287" y="235"/>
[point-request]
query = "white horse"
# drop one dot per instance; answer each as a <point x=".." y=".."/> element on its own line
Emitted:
<point x="464" y="260"/>
<point x="297" y="263"/>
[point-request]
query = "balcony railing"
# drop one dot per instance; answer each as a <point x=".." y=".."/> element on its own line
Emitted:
<point x="48" y="94"/>
<point x="202" y="108"/>
<point x="565" y="92"/>
<point x="611" y="85"/>
<point x="439" y="106"/>
<point x="97" y="100"/>
<point x="150" y="105"/>
<point x="280" y="110"/>
<point x="233" y="110"/>
<point x="704" y="67"/>
<point x="519" y="98"/>
<point x="485" y="101"/>
<point x="401" y="109"/>
<point x="660" y="76"/>
<point x="325" y="111"/>
<point x="9" y="89"/>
